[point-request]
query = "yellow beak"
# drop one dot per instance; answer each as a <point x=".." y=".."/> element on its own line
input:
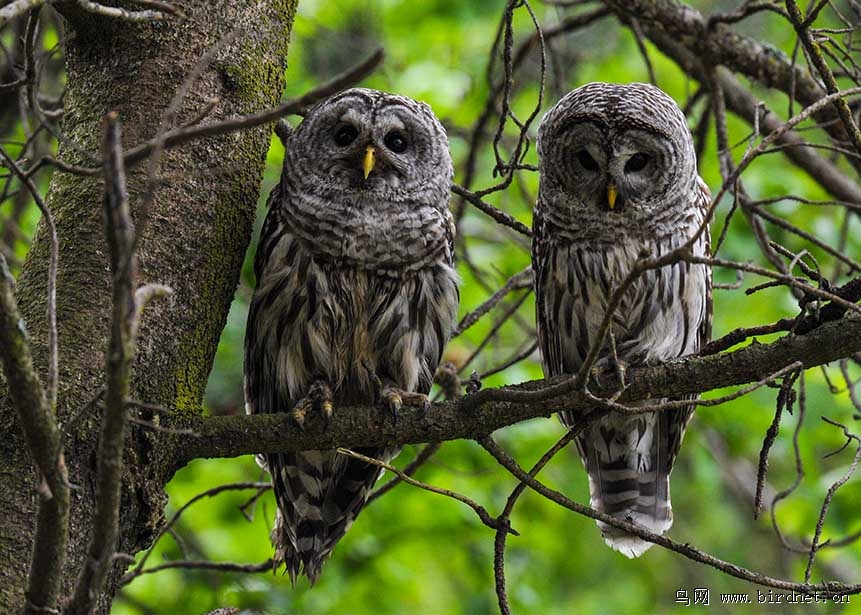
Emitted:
<point x="369" y="160"/>
<point x="611" y="195"/>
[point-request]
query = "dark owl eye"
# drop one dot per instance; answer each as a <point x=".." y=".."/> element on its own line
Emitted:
<point x="396" y="141"/>
<point x="345" y="135"/>
<point x="586" y="160"/>
<point x="637" y="162"/>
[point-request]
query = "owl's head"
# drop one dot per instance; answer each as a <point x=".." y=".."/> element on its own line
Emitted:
<point x="624" y="150"/>
<point x="370" y="146"/>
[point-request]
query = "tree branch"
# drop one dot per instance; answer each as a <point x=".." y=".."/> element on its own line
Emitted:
<point x="745" y="105"/>
<point x="825" y="588"/>
<point x="45" y="444"/>
<point x="717" y="44"/>
<point x="17" y="8"/>
<point x="488" y="410"/>
<point x="120" y="238"/>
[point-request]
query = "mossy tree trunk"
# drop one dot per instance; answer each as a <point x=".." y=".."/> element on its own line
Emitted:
<point x="193" y="240"/>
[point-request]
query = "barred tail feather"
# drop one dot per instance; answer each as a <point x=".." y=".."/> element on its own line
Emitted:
<point x="319" y="495"/>
<point x="631" y="495"/>
<point x="628" y="461"/>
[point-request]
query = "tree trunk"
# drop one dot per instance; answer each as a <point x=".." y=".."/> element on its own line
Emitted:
<point x="193" y="240"/>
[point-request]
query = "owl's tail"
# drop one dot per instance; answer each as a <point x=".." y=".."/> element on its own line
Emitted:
<point x="629" y="460"/>
<point x="319" y="494"/>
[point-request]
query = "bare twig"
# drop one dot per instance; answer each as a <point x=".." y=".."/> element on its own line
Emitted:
<point x="167" y="527"/>
<point x="45" y="443"/>
<point x="500" y="216"/>
<point x="785" y="400"/>
<point x="161" y="10"/>
<point x="802" y="28"/>
<point x="428" y="451"/>
<point x="17" y="8"/>
<point x="184" y="134"/>
<point x="519" y="280"/>
<point x="820" y="523"/>
<point x="120" y="238"/>
<point x="265" y="566"/>
<point x="686" y="550"/>
<point x="53" y="368"/>
<point x="480" y="510"/>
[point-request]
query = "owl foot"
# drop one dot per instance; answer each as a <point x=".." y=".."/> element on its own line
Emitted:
<point x="610" y="372"/>
<point x="319" y="398"/>
<point x="394" y="398"/>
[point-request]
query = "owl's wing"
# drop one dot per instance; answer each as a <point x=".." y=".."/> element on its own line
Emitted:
<point x="320" y="493"/>
<point x="276" y="303"/>
<point x="547" y="295"/>
<point x="704" y="248"/>
<point x="675" y="421"/>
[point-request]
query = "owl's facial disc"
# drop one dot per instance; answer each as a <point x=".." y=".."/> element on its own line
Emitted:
<point x="640" y="168"/>
<point x="374" y="157"/>
<point x="591" y="176"/>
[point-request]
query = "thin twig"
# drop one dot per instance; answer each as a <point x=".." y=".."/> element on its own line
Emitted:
<point x="115" y="12"/>
<point x="427" y="451"/>
<point x="830" y="589"/>
<point x="53" y="366"/>
<point x="820" y="523"/>
<point x="523" y="279"/>
<point x="167" y="527"/>
<point x="120" y="238"/>
<point x="480" y="510"/>
<point x="500" y="216"/>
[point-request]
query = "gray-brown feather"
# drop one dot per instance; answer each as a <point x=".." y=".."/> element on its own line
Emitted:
<point x="583" y="250"/>
<point x="352" y="275"/>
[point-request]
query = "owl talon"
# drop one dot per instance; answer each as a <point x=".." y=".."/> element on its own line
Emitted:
<point x="419" y="400"/>
<point x="327" y="410"/>
<point x="395" y="398"/>
<point x="319" y="398"/>
<point x="610" y="366"/>
<point x="392" y="400"/>
<point x="299" y="411"/>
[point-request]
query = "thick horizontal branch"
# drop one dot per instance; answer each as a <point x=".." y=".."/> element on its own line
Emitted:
<point x="480" y="414"/>
<point x="721" y="45"/>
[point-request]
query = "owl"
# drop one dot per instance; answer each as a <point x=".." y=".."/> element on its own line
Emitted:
<point x="356" y="297"/>
<point x="618" y="179"/>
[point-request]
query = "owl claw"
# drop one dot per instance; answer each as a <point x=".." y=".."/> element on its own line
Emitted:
<point x="610" y="366"/>
<point x="419" y="400"/>
<point x="327" y="410"/>
<point x="391" y="398"/>
<point x="395" y="398"/>
<point x="319" y="398"/>
<point x="299" y="411"/>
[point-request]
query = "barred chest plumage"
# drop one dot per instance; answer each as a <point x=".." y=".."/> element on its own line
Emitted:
<point x="322" y="320"/>
<point x="658" y="317"/>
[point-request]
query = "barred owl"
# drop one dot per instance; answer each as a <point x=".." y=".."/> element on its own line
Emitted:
<point x="356" y="297"/>
<point x="618" y="179"/>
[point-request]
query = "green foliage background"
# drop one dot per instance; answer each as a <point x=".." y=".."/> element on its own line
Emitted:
<point x="413" y="551"/>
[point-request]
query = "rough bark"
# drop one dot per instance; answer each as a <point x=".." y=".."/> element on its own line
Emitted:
<point x="193" y="240"/>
